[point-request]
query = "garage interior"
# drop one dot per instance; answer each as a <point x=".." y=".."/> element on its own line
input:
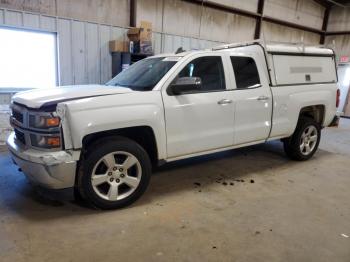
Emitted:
<point x="249" y="204"/>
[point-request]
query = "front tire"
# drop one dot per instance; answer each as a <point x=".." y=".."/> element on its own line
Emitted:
<point x="304" y="142"/>
<point x="114" y="173"/>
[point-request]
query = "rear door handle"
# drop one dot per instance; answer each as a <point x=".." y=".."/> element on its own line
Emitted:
<point x="224" y="101"/>
<point x="263" y="98"/>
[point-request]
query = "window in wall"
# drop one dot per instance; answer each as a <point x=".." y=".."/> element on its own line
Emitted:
<point x="28" y="59"/>
<point x="209" y="69"/>
<point x="246" y="72"/>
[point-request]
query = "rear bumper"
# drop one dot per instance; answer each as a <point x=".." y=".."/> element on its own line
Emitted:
<point x="50" y="170"/>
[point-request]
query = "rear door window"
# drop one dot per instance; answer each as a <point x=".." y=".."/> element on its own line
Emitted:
<point x="246" y="72"/>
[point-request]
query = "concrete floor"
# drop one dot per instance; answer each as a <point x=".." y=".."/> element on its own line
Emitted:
<point x="196" y="210"/>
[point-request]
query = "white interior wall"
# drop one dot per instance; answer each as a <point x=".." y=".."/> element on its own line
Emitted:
<point x="226" y="27"/>
<point x="340" y="43"/>
<point x="274" y="32"/>
<point x="304" y="12"/>
<point x="111" y="12"/>
<point x="339" y="20"/>
<point x="250" y="5"/>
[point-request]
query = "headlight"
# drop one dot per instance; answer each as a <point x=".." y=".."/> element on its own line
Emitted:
<point x="47" y="142"/>
<point x="43" y="121"/>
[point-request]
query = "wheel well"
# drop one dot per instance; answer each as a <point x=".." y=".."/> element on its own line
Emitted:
<point x="143" y="135"/>
<point x="315" y="112"/>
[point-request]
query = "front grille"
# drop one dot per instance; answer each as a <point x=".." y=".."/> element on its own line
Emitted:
<point x="18" y="116"/>
<point x="20" y="137"/>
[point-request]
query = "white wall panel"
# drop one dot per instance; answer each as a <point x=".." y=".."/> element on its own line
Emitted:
<point x="273" y="32"/>
<point x="31" y="20"/>
<point x="93" y="53"/>
<point x="39" y="6"/>
<point x="118" y="33"/>
<point x="194" y="44"/>
<point x="177" y="43"/>
<point x="111" y="12"/>
<point x="2" y="18"/>
<point x="48" y="23"/>
<point x="226" y="27"/>
<point x="304" y="12"/>
<point x="339" y="19"/>
<point x="78" y="52"/>
<point x="250" y="5"/>
<point x="202" y="44"/>
<point x="186" y="43"/>
<point x="340" y="43"/>
<point x="150" y="10"/>
<point x="168" y="43"/>
<point x="106" y="59"/>
<point x="157" y="43"/>
<point x="65" y="51"/>
<point x="181" y="18"/>
<point x="13" y="18"/>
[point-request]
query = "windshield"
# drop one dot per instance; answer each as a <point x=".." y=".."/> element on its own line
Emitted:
<point x="143" y="75"/>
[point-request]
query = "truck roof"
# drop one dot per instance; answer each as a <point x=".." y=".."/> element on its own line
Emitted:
<point x="298" y="49"/>
<point x="282" y="48"/>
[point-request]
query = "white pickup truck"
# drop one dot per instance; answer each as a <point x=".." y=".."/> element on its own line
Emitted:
<point x="101" y="141"/>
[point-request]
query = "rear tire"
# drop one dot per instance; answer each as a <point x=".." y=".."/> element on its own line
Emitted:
<point x="304" y="142"/>
<point x="114" y="173"/>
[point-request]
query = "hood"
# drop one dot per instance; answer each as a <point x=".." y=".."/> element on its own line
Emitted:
<point x="52" y="96"/>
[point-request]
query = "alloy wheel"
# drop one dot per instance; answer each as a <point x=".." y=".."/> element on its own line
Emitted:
<point x="308" y="140"/>
<point x="116" y="175"/>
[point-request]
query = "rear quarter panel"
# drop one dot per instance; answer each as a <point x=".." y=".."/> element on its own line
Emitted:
<point x="290" y="99"/>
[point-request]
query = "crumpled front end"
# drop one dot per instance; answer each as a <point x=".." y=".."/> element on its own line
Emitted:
<point x="37" y="147"/>
<point x="53" y="170"/>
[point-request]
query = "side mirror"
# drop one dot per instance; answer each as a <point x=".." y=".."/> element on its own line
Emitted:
<point x="185" y="85"/>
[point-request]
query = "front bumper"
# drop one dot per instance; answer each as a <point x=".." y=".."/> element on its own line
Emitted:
<point x="51" y="170"/>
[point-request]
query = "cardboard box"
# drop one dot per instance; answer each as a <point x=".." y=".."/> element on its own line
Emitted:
<point x="142" y="38"/>
<point x="145" y="31"/>
<point x="118" y="46"/>
<point x="142" y="33"/>
<point x="134" y="34"/>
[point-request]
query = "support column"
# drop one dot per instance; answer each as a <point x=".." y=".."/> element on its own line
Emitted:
<point x="132" y="22"/>
<point x="260" y="11"/>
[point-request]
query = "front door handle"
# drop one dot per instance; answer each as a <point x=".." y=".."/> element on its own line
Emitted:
<point x="224" y="101"/>
<point x="263" y="98"/>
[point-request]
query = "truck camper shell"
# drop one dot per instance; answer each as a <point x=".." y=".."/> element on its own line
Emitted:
<point x="293" y="64"/>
